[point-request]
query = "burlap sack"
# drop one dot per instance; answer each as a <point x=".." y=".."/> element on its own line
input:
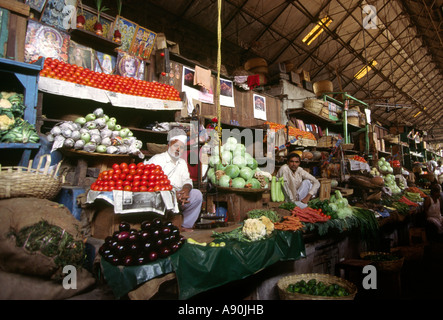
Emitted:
<point x="22" y="287"/>
<point x="17" y="213"/>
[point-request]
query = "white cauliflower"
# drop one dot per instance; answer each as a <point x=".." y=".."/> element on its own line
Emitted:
<point x="254" y="229"/>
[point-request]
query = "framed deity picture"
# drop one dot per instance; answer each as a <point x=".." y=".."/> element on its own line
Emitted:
<point x="61" y="14"/>
<point x="36" y="4"/>
<point x="104" y="63"/>
<point x="143" y="43"/>
<point x="45" y="41"/>
<point x="130" y="66"/>
<point x="127" y="30"/>
<point x="80" y="55"/>
<point x="90" y="15"/>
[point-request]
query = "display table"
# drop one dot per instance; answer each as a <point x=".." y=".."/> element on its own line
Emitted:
<point x="200" y="268"/>
<point x="238" y="201"/>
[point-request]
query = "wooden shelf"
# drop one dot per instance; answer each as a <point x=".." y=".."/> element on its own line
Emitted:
<point x="90" y="39"/>
<point x="309" y="117"/>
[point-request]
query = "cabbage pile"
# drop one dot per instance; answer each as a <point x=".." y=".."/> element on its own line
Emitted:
<point x="387" y="174"/>
<point x="230" y="166"/>
<point x="96" y="132"/>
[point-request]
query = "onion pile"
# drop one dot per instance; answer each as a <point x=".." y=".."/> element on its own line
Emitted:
<point x="130" y="247"/>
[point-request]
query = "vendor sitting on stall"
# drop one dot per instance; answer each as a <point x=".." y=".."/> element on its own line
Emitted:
<point x="189" y="199"/>
<point x="299" y="184"/>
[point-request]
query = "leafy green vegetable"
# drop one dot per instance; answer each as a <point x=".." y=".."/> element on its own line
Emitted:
<point x="270" y="214"/>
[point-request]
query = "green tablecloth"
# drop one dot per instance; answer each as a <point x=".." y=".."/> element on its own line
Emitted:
<point x="200" y="268"/>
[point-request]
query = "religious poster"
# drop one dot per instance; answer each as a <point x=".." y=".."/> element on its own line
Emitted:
<point x="45" y="41"/>
<point x="143" y="43"/>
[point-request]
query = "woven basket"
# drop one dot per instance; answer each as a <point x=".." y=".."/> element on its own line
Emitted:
<point x="327" y="279"/>
<point x="19" y="182"/>
<point x="391" y="265"/>
<point x="313" y="105"/>
<point x="354" y="121"/>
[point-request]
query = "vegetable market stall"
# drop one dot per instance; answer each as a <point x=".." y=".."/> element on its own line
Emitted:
<point x="200" y="268"/>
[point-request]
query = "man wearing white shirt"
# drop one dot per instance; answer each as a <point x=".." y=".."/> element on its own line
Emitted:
<point x="189" y="199"/>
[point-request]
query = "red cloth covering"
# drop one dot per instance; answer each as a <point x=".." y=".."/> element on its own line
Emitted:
<point x="253" y="81"/>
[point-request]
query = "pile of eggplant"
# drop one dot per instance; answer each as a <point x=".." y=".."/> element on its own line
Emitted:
<point x="131" y="247"/>
<point x="96" y="132"/>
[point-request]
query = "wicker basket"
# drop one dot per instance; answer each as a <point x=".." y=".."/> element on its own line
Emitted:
<point x="391" y="265"/>
<point x="313" y="105"/>
<point x="19" y="182"/>
<point x="327" y="279"/>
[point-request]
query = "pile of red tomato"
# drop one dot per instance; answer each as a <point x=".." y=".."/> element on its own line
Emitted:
<point x="358" y="158"/>
<point x="132" y="177"/>
<point x="57" y="69"/>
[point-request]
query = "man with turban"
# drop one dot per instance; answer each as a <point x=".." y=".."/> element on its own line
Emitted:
<point x="175" y="167"/>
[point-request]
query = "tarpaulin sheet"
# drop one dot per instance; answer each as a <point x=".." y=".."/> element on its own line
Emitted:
<point x="200" y="268"/>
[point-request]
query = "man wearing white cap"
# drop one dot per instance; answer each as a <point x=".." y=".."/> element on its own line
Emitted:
<point x="189" y="199"/>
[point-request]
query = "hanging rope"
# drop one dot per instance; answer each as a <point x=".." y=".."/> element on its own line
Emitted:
<point x="217" y="86"/>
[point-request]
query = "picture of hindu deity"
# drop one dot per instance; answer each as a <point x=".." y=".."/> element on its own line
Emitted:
<point x="45" y="41"/>
<point x="127" y="30"/>
<point x="143" y="43"/>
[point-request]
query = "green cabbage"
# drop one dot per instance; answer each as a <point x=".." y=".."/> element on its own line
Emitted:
<point x="226" y="157"/>
<point x="246" y="173"/>
<point x="255" y="184"/>
<point x="239" y="161"/>
<point x="238" y="182"/>
<point x="232" y="171"/>
<point x="224" y="181"/>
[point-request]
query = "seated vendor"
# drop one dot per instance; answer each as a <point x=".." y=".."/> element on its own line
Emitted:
<point x="299" y="184"/>
<point x="189" y="199"/>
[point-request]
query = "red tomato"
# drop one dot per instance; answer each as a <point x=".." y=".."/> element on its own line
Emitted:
<point x="144" y="177"/>
<point x="93" y="186"/>
<point x="117" y="171"/>
<point x="126" y="183"/>
<point x="136" y="177"/>
<point x="169" y="188"/>
<point x="151" y="177"/>
<point x="136" y="183"/>
<point x="127" y="188"/>
<point x="139" y="171"/>
<point x="144" y="183"/>
<point x="162" y="188"/>
<point x="129" y="177"/>
<point x="143" y="188"/>
<point x="111" y="188"/>
<point x="123" y="177"/>
<point x="135" y="189"/>
<point x="115" y="177"/>
<point x="100" y="189"/>
<point x="150" y="189"/>
<point x="123" y="165"/>
<point x="125" y="170"/>
<point x="146" y="172"/>
<point x="105" y="188"/>
<point x="132" y="166"/>
<point x="115" y="166"/>
<point x="111" y="183"/>
<point x="118" y="188"/>
<point x="132" y="171"/>
<point x="157" y="188"/>
<point x="119" y="183"/>
<point x="151" y="183"/>
<point x="140" y="165"/>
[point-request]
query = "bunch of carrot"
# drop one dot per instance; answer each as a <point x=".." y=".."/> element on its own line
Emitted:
<point x="289" y="223"/>
<point x="310" y="215"/>
<point x="408" y="202"/>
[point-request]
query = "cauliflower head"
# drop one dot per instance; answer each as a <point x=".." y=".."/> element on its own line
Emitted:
<point x="6" y="123"/>
<point x="268" y="224"/>
<point x="254" y="229"/>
